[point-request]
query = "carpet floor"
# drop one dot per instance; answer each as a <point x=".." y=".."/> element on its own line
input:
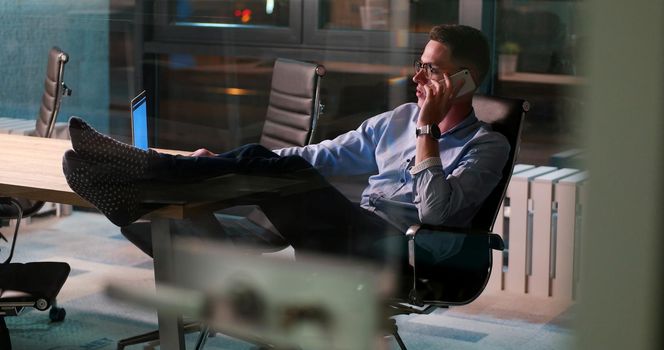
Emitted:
<point x="97" y="253"/>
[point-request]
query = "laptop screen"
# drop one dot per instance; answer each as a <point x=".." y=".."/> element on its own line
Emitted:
<point x="139" y="121"/>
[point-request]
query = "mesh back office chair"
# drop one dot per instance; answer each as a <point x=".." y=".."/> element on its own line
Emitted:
<point x="450" y="266"/>
<point x="292" y="114"/>
<point x="34" y="284"/>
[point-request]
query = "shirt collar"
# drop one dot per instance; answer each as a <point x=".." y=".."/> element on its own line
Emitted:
<point x="471" y="119"/>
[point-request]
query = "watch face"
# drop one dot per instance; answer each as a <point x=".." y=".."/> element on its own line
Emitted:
<point x="435" y="131"/>
<point x="431" y="130"/>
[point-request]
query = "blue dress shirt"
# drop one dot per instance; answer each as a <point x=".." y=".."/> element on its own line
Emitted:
<point x="449" y="191"/>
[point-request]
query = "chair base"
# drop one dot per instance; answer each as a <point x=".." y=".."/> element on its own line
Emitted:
<point x="57" y="314"/>
<point x="394" y="331"/>
<point x="397" y="337"/>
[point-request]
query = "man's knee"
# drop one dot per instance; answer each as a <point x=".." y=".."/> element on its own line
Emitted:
<point x="256" y="150"/>
<point x="297" y="163"/>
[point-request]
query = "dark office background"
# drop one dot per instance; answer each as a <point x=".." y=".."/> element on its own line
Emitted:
<point x="207" y="64"/>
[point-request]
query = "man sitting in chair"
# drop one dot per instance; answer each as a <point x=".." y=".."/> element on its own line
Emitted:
<point x="429" y="162"/>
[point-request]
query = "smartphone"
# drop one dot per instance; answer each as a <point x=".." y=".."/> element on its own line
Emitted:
<point x="469" y="84"/>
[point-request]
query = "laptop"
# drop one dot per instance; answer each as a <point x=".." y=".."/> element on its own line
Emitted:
<point x="139" y="121"/>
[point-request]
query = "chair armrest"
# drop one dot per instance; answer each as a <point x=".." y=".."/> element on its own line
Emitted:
<point x="495" y="241"/>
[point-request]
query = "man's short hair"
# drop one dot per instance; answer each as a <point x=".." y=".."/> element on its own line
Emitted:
<point x="468" y="46"/>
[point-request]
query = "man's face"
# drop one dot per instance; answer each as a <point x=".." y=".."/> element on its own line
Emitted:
<point x="437" y="55"/>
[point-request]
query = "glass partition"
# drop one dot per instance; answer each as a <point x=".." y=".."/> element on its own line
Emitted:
<point x="352" y="38"/>
<point x="219" y="102"/>
<point x="544" y="34"/>
<point x="208" y="67"/>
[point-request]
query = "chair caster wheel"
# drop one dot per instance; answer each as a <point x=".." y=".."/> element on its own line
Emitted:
<point x="57" y="314"/>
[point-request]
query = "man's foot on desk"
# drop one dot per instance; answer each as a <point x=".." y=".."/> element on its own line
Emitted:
<point x="91" y="145"/>
<point x="116" y="195"/>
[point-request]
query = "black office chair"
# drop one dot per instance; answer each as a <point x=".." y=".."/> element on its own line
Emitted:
<point x="290" y="121"/>
<point x="291" y="118"/>
<point x="54" y="89"/>
<point x="451" y="266"/>
<point x="294" y="107"/>
<point x="34" y="284"/>
<point x="45" y="126"/>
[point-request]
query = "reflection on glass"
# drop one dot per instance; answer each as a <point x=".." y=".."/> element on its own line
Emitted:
<point x="538" y="43"/>
<point x="219" y="102"/>
<point x="211" y="101"/>
<point x="543" y="34"/>
<point x="376" y="14"/>
<point x="222" y="13"/>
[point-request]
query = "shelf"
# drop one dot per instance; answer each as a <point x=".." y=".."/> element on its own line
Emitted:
<point x="537" y="78"/>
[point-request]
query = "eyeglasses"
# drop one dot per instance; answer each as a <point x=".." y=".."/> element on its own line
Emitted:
<point x="429" y="70"/>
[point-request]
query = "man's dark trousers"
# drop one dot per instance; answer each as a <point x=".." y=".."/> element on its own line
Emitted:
<point x="316" y="219"/>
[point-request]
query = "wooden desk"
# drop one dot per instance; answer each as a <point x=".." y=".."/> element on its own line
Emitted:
<point x="31" y="167"/>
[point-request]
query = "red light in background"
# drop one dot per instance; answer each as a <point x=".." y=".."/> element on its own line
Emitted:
<point x="244" y="15"/>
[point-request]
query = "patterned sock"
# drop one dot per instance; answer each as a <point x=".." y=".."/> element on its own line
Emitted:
<point x="116" y="195"/>
<point x="123" y="158"/>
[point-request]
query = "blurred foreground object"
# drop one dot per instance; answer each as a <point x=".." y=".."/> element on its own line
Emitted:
<point x="311" y="303"/>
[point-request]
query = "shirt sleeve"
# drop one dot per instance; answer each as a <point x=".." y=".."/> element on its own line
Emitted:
<point x="426" y="164"/>
<point x="439" y="196"/>
<point x="352" y="153"/>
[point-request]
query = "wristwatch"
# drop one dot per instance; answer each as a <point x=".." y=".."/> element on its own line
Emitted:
<point x="431" y="130"/>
